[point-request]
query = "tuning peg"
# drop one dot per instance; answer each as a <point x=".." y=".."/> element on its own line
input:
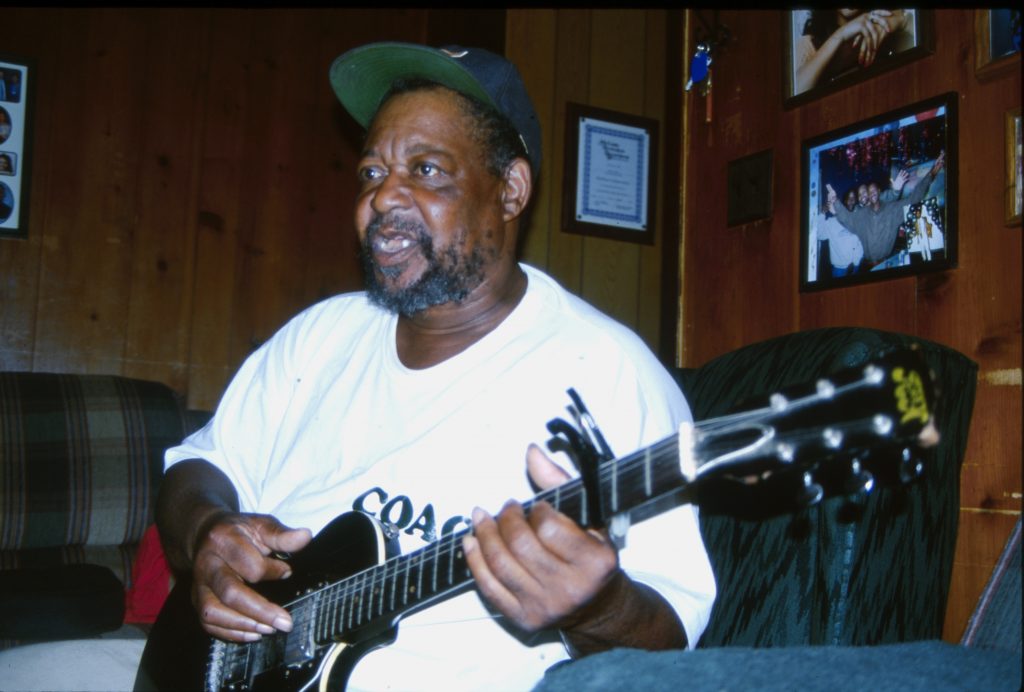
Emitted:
<point x="911" y="467"/>
<point x="860" y="480"/>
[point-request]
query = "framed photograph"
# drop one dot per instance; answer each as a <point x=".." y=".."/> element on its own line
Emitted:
<point x="16" y="87"/>
<point x="829" y="49"/>
<point x="879" y="198"/>
<point x="749" y="188"/>
<point x="996" y="42"/>
<point x="1014" y="197"/>
<point x="610" y="174"/>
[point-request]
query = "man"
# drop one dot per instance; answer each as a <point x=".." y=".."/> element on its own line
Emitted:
<point x="877" y="223"/>
<point x="845" y="249"/>
<point x="415" y="401"/>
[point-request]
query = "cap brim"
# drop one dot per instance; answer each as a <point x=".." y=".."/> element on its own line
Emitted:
<point x="362" y="76"/>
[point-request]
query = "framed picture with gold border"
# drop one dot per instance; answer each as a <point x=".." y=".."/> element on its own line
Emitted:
<point x="996" y="42"/>
<point x="1014" y="200"/>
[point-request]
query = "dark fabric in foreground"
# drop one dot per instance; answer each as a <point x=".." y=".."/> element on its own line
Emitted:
<point x="59" y="602"/>
<point x="929" y="666"/>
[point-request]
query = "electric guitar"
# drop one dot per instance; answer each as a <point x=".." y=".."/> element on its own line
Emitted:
<point x="349" y="589"/>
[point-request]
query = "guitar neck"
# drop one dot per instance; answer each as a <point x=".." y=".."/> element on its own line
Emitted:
<point x="383" y="593"/>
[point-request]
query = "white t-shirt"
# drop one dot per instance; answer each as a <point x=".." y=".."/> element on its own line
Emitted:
<point x="324" y="419"/>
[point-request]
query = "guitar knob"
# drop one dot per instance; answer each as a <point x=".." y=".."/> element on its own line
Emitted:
<point x="811" y="493"/>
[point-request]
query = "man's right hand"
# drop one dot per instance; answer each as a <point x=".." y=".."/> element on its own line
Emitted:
<point x="232" y="551"/>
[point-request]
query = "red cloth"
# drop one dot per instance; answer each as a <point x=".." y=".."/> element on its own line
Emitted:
<point x="151" y="580"/>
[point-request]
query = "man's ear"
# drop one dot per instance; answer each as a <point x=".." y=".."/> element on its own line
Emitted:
<point x="517" y="190"/>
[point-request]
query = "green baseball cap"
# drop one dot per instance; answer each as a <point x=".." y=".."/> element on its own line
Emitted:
<point x="362" y="76"/>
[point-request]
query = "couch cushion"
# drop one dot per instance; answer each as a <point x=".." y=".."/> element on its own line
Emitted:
<point x="81" y="457"/>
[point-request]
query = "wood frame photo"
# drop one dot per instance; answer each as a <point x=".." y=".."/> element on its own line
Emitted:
<point x="17" y="84"/>
<point x="994" y="52"/>
<point x="1013" y="192"/>
<point x="881" y="224"/>
<point x="820" y="58"/>
<point x="610" y="174"/>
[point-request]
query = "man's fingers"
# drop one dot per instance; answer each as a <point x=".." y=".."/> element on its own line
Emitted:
<point x="544" y="472"/>
<point x="288" y="540"/>
<point x="483" y="563"/>
<point x="223" y="615"/>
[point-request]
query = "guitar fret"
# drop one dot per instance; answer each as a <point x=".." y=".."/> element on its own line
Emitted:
<point x="394" y="579"/>
<point x="349" y="605"/>
<point x="381" y="589"/>
<point x="336" y="609"/>
<point x="360" y="599"/>
<point x="437" y="553"/>
<point x="615" y="486"/>
<point x="419" y="578"/>
<point x="405" y="586"/>
<point x="647" y="471"/>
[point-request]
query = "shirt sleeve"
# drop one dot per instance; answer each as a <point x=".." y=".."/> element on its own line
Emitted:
<point x="238" y="437"/>
<point x="666" y="552"/>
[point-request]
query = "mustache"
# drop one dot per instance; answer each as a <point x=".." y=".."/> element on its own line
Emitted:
<point x="415" y="229"/>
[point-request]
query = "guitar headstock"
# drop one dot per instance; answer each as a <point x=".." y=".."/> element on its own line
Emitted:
<point x="836" y="436"/>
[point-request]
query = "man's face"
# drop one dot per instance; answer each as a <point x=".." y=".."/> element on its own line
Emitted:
<point x="428" y="213"/>
<point x="873" y="194"/>
<point x="851" y="200"/>
<point x="862" y="195"/>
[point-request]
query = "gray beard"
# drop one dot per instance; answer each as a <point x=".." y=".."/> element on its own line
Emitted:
<point x="449" y="277"/>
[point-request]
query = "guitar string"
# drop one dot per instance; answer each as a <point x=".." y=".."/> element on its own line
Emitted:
<point x="352" y="589"/>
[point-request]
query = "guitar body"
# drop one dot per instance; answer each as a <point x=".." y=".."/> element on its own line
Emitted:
<point x="179" y="653"/>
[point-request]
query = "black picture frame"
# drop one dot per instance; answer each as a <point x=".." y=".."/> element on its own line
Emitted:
<point x="749" y="188"/>
<point x="913" y="40"/>
<point x="17" y="91"/>
<point x="879" y="150"/>
<point x="610" y="176"/>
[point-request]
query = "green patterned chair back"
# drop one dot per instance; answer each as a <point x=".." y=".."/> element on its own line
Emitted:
<point x="81" y="457"/>
<point x="859" y="570"/>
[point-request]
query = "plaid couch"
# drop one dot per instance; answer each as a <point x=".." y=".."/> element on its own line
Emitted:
<point x="81" y="457"/>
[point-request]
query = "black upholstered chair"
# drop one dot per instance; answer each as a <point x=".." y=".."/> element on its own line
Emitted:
<point x="847" y="594"/>
<point x="866" y="569"/>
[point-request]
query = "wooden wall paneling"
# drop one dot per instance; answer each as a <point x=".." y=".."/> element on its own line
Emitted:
<point x="90" y="227"/>
<point x="220" y="206"/>
<point x="160" y="300"/>
<point x="974" y="308"/>
<point x="611" y="268"/>
<point x="980" y="541"/>
<point x="531" y="41"/>
<point x="37" y="37"/>
<point x="332" y="253"/>
<point x="669" y="347"/>
<point x="889" y="305"/>
<point x="279" y="79"/>
<point x="571" y="72"/>
<point x="988" y="482"/>
<point x="648" y="311"/>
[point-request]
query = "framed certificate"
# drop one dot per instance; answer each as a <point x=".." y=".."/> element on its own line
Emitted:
<point x="610" y="171"/>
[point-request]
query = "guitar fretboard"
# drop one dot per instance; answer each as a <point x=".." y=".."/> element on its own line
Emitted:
<point x="406" y="582"/>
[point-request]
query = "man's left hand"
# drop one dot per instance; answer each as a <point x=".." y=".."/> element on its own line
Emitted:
<point x="538" y="569"/>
